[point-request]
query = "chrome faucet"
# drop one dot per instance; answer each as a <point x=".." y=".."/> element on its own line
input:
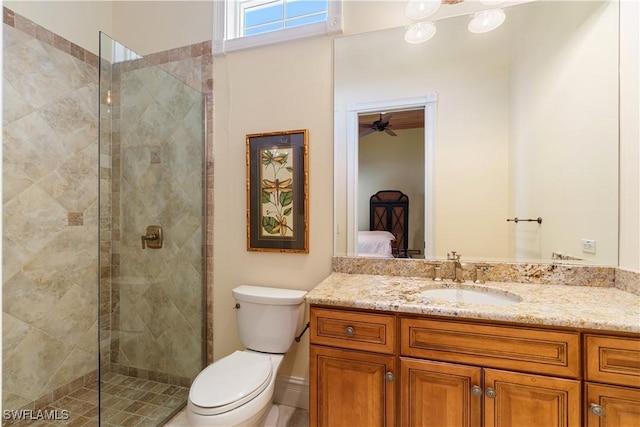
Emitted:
<point x="457" y="266"/>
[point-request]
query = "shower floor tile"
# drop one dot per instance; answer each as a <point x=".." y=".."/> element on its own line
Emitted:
<point x="126" y="401"/>
<point x="129" y="401"/>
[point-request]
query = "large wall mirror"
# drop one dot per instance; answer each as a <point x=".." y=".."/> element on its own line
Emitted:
<point x="520" y="122"/>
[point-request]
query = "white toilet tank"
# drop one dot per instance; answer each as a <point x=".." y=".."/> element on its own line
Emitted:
<point x="268" y="318"/>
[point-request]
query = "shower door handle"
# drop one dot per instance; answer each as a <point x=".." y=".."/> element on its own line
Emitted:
<point x="153" y="238"/>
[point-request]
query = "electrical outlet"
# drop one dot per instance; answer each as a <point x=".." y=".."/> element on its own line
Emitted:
<point x="589" y="246"/>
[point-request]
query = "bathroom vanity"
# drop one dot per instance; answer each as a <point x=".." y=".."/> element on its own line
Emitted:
<point x="384" y="353"/>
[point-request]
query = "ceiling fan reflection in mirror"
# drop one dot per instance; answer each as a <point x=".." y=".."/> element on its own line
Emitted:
<point x="380" y="125"/>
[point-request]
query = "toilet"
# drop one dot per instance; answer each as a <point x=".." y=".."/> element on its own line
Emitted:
<point x="237" y="390"/>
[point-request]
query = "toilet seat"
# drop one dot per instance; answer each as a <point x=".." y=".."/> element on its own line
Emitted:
<point x="230" y="382"/>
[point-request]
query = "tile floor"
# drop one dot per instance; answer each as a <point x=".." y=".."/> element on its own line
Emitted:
<point x="296" y="417"/>
<point x="289" y="417"/>
<point x="82" y="405"/>
<point x="126" y="401"/>
<point x="129" y="401"/>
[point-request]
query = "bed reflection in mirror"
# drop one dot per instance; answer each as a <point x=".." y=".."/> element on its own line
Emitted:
<point x="388" y="232"/>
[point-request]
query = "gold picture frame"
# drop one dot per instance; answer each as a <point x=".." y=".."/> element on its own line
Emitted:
<point x="278" y="191"/>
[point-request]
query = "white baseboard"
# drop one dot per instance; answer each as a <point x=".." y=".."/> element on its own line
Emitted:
<point x="292" y="391"/>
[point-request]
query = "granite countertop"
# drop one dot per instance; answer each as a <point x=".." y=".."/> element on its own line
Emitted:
<point x="584" y="307"/>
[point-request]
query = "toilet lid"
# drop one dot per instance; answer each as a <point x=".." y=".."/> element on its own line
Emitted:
<point x="230" y="382"/>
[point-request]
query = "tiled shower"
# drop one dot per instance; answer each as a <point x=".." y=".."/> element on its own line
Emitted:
<point x="82" y="301"/>
<point x="50" y="215"/>
<point x="151" y="132"/>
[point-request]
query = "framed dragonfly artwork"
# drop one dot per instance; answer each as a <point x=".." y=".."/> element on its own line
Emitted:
<point x="278" y="191"/>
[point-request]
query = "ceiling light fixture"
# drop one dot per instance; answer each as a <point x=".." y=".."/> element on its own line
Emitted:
<point x="421" y="9"/>
<point x="486" y="20"/>
<point x="419" y="32"/>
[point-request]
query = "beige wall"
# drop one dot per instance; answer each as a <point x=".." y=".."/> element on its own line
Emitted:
<point x="282" y="87"/>
<point x="143" y="26"/>
<point x="155" y="26"/>
<point x="554" y="131"/>
<point x="77" y="21"/>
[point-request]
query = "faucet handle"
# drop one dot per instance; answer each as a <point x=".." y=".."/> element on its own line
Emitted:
<point x="437" y="273"/>
<point x="480" y="270"/>
<point x="148" y="238"/>
<point x="453" y="256"/>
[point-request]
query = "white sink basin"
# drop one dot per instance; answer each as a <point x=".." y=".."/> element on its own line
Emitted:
<point x="472" y="296"/>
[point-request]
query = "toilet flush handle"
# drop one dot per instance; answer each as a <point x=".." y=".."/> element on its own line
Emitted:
<point x="299" y="337"/>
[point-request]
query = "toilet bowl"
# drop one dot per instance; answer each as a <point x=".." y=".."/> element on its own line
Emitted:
<point x="237" y="390"/>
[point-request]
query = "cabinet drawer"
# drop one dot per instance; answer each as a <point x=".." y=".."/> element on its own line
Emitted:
<point x="347" y="329"/>
<point x="521" y="349"/>
<point x="613" y="360"/>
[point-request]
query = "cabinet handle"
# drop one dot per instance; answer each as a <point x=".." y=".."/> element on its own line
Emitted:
<point x="349" y="331"/>
<point x="476" y="390"/>
<point x="596" y="409"/>
<point x="389" y="377"/>
<point x="491" y="393"/>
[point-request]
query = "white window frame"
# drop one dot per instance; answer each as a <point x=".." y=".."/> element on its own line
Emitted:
<point x="225" y="15"/>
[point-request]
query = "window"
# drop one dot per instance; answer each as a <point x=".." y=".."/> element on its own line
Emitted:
<point x="258" y="17"/>
<point x="249" y="23"/>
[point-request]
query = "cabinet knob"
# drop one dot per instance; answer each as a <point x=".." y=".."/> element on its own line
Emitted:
<point x="349" y="331"/>
<point x="596" y="409"/>
<point x="491" y="393"/>
<point x="476" y="390"/>
<point x="389" y="377"/>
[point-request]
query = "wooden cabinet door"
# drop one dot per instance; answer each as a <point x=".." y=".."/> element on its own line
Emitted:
<point x="438" y="394"/>
<point x="617" y="406"/>
<point x="530" y="400"/>
<point x="350" y="388"/>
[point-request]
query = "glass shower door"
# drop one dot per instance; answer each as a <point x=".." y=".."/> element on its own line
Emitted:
<point x="151" y="238"/>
